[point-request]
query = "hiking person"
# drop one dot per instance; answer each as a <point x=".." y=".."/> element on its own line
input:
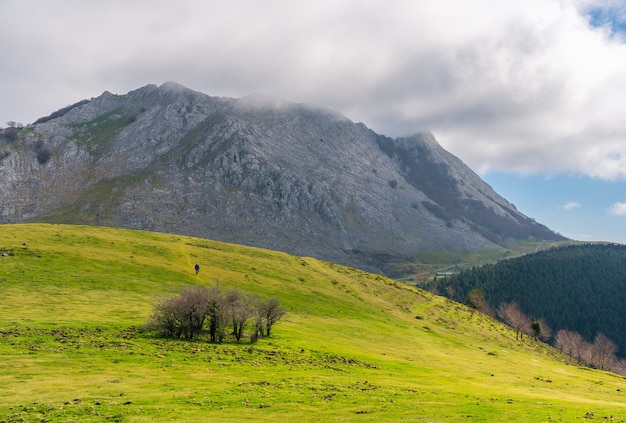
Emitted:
<point x="197" y="267"/>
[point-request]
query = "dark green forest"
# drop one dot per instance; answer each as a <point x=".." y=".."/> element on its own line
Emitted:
<point x="580" y="288"/>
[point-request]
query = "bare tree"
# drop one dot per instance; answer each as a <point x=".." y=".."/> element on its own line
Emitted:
<point x="512" y="314"/>
<point x="182" y="315"/>
<point x="192" y="310"/>
<point x="585" y="352"/>
<point x="271" y="312"/>
<point x="164" y="317"/>
<point x="619" y="367"/>
<point x="603" y="352"/>
<point x="240" y="310"/>
<point x="215" y="313"/>
<point x="600" y="354"/>
<point x="476" y="299"/>
<point x="570" y="343"/>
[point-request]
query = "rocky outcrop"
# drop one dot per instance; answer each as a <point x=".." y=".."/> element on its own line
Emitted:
<point x="257" y="171"/>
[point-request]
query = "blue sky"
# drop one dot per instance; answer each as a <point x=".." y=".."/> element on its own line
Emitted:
<point x="530" y="94"/>
<point x="577" y="207"/>
<point x="611" y="15"/>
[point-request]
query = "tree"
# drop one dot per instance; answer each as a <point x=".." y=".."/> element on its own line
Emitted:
<point x="540" y="329"/>
<point x="585" y="352"/>
<point x="603" y="352"/>
<point x="535" y="328"/>
<point x="476" y="299"/>
<point x="182" y="315"/>
<point x="271" y="312"/>
<point x="193" y="304"/>
<point x="600" y="354"/>
<point x="240" y="310"/>
<point x="512" y="314"/>
<point x="164" y="317"/>
<point x="570" y="343"/>
<point x="619" y="367"/>
<point x="215" y="312"/>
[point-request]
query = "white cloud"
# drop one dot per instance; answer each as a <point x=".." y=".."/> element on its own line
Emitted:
<point x="571" y="205"/>
<point x="582" y="237"/>
<point x="527" y="86"/>
<point x="618" y="209"/>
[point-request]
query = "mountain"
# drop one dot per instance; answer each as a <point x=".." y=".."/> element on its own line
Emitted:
<point x="579" y="288"/>
<point x="256" y="170"/>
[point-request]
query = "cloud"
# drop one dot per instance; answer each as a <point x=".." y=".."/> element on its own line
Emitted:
<point x="582" y="237"/>
<point x="618" y="209"/>
<point x="571" y="205"/>
<point x="531" y="87"/>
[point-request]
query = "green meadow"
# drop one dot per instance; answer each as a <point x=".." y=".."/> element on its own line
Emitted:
<point x="352" y="347"/>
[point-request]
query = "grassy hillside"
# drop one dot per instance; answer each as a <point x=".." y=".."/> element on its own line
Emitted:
<point x="353" y="347"/>
<point x="424" y="266"/>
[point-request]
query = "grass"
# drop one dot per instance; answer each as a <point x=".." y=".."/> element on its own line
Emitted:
<point x="353" y="346"/>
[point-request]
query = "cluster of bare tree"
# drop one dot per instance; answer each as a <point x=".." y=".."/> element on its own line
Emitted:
<point x="198" y="310"/>
<point x="600" y="354"/>
<point x="512" y="315"/>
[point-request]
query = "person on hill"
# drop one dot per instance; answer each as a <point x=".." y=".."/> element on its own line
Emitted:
<point x="197" y="267"/>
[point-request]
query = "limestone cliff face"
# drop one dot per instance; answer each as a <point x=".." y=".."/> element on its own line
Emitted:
<point x="256" y="171"/>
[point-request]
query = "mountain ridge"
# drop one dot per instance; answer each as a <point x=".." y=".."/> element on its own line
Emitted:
<point x="258" y="171"/>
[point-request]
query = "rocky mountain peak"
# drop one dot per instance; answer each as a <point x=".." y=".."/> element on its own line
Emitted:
<point x="258" y="170"/>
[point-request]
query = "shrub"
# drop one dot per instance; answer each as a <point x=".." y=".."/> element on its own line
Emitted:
<point x="198" y="309"/>
<point x="43" y="156"/>
<point x="183" y="315"/>
<point x="9" y="134"/>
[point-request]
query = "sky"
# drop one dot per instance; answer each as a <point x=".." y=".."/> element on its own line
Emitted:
<point x="530" y="94"/>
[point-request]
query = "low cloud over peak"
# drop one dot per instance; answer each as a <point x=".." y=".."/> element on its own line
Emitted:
<point x="529" y="87"/>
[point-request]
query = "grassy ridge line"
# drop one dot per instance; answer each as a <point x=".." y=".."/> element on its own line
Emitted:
<point x="427" y="264"/>
<point x="354" y="346"/>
